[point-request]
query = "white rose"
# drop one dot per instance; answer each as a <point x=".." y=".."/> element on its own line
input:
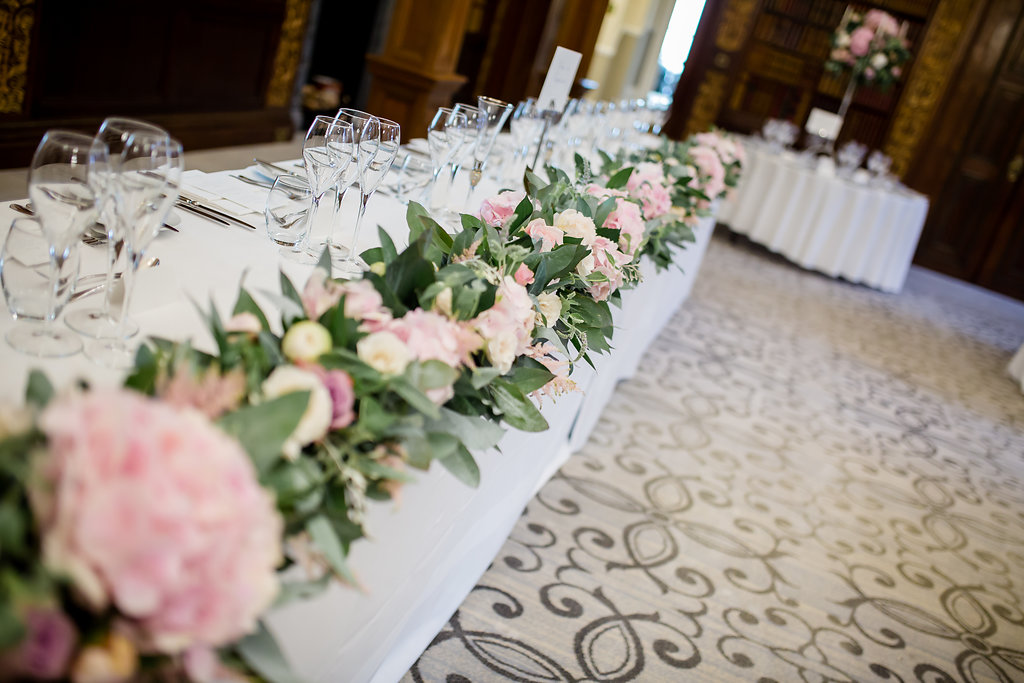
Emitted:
<point x="14" y="420"/>
<point x="315" y="422"/>
<point x="443" y="302"/>
<point x="501" y="351"/>
<point x="879" y="61"/>
<point x="306" y="341"/>
<point x="384" y="352"/>
<point x="575" y="224"/>
<point x="586" y="266"/>
<point x="842" y="39"/>
<point x="550" y="307"/>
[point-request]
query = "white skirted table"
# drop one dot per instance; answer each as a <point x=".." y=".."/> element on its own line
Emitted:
<point x="425" y="553"/>
<point x="824" y="222"/>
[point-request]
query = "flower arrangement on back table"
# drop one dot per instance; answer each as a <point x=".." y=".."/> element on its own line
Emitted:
<point x="143" y="534"/>
<point x="873" y="45"/>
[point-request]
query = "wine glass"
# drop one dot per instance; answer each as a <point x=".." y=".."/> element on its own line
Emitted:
<point x="366" y="129"/>
<point x="327" y="152"/>
<point x="64" y="184"/>
<point x="413" y="172"/>
<point x="494" y="113"/>
<point x="287" y="211"/>
<point x="444" y="130"/>
<point x="36" y="289"/>
<point x="97" y="322"/>
<point x="148" y="183"/>
<point x="389" y="139"/>
<point x="464" y="151"/>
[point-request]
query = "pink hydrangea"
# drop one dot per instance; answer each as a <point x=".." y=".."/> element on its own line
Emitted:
<point x="362" y="300"/>
<point x="499" y="209"/>
<point x="627" y="220"/>
<point x="710" y="168"/>
<point x="157" y="513"/>
<point x="549" y="235"/>
<point x="860" y="41"/>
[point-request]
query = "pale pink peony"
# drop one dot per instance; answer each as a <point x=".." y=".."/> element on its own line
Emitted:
<point x="154" y="511"/>
<point x="710" y="168"/>
<point x="549" y="235"/>
<point x="524" y="275"/>
<point x="362" y="300"/>
<point x="499" y="209"/>
<point x="627" y="220"/>
<point x="343" y="395"/>
<point x="860" y="41"/>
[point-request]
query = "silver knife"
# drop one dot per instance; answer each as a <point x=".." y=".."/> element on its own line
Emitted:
<point x="188" y="201"/>
<point x="279" y="170"/>
<point x="200" y="212"/>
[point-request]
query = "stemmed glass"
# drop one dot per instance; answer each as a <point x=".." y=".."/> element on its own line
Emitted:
<point x="366" y="132"/>
<point x="148" y="182"/>
<point x="464" y="151"/>
<point x="327" y="152"/>
<point x="63" y="185"/>
<point x="494" y="113"/>
<point x="97" y="322"/>
<point x="444" y="131"/>
<point x="389" y="139"/>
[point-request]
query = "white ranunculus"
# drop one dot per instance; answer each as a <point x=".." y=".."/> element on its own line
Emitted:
<point x="842" y="39"/>
<point x="879" y="61"/>
<point x="501" y="351"/>
<point x="443" y="302"/>
<point x="384" y="352"/>
<point x="550" y="307"/>
<point x="315" y="422"/>
<point x="14" y="420"/>
<point x="575" y="224"/>
<point x="586" y="266"/>
<point x="306" y="341"/>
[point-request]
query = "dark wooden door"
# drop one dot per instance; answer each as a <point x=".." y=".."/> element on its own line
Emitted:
<point x="976" y="217"/>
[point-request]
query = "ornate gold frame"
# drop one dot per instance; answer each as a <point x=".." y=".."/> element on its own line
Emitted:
<point x="289" y="52"/>
<point x="16" y="20"/>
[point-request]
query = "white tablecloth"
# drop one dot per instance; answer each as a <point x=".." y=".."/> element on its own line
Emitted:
<point x="825" y="222"/>
<point x="426" y="552"/>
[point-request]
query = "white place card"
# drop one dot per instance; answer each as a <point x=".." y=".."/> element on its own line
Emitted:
<point x="824" y="123"/>
<point x="561" y="75"/>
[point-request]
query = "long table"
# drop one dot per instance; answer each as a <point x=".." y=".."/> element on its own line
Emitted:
<point x="824" y="222"/>
<point x="425" y="552"/>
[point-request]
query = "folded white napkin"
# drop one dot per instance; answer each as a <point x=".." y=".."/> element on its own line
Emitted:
<point x="223" y="192"/>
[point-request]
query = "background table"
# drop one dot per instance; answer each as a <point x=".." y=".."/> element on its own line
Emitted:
<point x="827" y="223"/>
<point x="424" y="553"/>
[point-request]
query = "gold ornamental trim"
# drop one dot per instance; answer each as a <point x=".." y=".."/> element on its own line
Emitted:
<point x="928" y="81"/>
<point x="737" y="18"/>
<point x="707" y="104"/>
<point x="16" y="20"/>
<point x="289" y="51"/>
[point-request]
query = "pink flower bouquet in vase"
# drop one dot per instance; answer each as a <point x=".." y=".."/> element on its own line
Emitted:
<point x="872" y="46"/>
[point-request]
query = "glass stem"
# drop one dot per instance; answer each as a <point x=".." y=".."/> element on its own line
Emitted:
<point x="364" y="199"/>
<point x="108" y="282"/>
<point x="339" y="197"/>
<point x="56" y="263"/>
<point x="134" y="259"/>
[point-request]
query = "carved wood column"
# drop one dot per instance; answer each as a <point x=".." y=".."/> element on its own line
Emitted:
<point x="415" y="73"/>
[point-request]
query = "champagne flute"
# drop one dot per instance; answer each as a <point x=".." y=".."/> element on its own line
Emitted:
<point x="326" y="152"/>
<point x="464" y="151"/>
<point x="370" y="177"/>
<point x="97" y="322"/>
<point x="63" y="183"/>
<point x="366" y="132"/>
<point x="494" y="114"/>
<point x="148" y="183"/>
<point x="444" y="130"/>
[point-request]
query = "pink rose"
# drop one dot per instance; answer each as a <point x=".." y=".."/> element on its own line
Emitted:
<point x="524" y="275"/>
<point x="431" y="336"/>
<point x="869" y="73"/>
<point x="549" y="235"/>
<point x="155" y="512"/>
<point x="46" y="648"/>
<point x="860" y="41"/>
<point x="343" y="395"/>
<point x="897" y="71"/>
<point x="499" y="209"/>
<point x="506" y="328"/>
<point x="362" y="301"/>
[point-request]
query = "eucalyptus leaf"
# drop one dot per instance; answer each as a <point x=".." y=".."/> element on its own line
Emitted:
<point x="261" y="652"/>
<point x="38" y="391"/>
<point x="461" y="464"/>
<point x="620" y="179"/>
<point x="473" y="431"/>
<point x="327" y="543"/>
<point x="517" y="410"/>
<point x="263" y="428"/>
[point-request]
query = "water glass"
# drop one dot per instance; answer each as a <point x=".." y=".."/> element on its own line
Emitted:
<point x="36" y="287"/>
<point x="287" y="211"/>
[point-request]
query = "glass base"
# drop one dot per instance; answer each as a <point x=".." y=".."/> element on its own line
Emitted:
<point x="303" y="256"/>
<point x="43" y="340"/>
<point x="118" y="354"/>
<point x="94" y="323"/>
<point x="349" y="270"/>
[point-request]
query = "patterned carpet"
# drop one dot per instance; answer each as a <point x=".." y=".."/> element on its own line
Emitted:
<point x="806" y="481"/>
